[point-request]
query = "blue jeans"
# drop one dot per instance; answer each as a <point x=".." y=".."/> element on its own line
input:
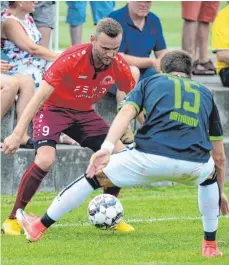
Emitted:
<point x="144" y="73"/>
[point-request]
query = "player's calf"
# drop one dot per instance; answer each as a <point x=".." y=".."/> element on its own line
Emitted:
<point x="209" y="205"/>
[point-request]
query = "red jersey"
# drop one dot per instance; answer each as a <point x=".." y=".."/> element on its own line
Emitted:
<point x="77" y="86"/>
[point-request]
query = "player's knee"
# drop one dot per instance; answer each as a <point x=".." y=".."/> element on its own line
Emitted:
<point x="45" y="159"/>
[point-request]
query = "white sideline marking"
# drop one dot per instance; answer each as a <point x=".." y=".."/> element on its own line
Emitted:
<point x="151" y="220"/>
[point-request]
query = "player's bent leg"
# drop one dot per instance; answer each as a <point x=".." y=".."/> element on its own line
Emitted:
<point x="68" y="199"/>
<point x="209" y="205"/>
<point x="29" y="184"/>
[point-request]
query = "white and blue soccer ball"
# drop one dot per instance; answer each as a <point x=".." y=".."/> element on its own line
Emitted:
<point x="105" y="211"/>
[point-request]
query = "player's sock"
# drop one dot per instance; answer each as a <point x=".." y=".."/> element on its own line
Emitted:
<point x="112" y="190"/>
<point x="70" y="198"/>
<point x="29" y="184"/>
<point x="209" y="201"/>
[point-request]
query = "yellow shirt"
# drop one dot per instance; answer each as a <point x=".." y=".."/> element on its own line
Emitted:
<point x="220" y="35"/>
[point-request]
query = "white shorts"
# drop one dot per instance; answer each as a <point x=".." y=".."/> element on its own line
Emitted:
<point x="134" y="168"/>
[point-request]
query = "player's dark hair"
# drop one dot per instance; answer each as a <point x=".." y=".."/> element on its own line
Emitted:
<point x="108" y="26"/>
<point x="177" y="61"/>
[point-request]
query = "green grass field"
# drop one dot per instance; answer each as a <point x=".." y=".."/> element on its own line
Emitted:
<point x="168" y="232"/>
<point x="168" y="11"/>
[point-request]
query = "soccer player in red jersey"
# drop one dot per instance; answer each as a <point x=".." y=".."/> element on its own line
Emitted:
<point x="79" y="78"/>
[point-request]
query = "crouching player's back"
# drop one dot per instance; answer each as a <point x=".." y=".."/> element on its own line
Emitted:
<point x="178" y="113"/>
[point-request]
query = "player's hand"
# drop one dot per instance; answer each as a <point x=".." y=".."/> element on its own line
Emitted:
<point x="224" y="205"/>
<point x="4" y="66"/>
<point x="98" y="161"/>
<point x="11" y="144"/>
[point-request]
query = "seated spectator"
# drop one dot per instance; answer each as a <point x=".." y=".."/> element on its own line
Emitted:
<point x="21" y="38"/>
<point x="76" y="16"/>
<point x="12" y="86"/>
<point x="220" y="44"/>
<point x="43" y="18"/>
<point x="197" y="17"/>
<point x="142" y="34"/>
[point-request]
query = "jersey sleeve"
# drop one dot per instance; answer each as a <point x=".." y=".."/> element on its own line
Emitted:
<point x="125" y="81"/>
<point x="215" y="126"/>
<point x="59" y="70"/>
<point x="135" y="98"/>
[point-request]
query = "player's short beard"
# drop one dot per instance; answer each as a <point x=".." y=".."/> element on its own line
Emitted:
<point x="98" y="58"/>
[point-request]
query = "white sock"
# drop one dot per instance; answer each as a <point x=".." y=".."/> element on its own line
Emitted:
<point x="69" y="198"/>
<point x="208" y="201"/>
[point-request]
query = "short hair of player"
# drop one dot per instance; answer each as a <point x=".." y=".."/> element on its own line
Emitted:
<point x="177" y="61"/>
<point x="108" y="26"/>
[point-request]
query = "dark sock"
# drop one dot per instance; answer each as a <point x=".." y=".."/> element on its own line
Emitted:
<point x="112" y="190"/>
<point x="210" y="236"/>
<point x="47" y="221"/>
<point x="29" y="184"/>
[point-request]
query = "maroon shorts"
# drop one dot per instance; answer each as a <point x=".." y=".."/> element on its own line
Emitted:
<point x="203" y="11"/>
<point x="50" y="121"/>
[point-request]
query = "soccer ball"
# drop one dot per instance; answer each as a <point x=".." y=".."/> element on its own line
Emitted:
<point x="105" y="211"/>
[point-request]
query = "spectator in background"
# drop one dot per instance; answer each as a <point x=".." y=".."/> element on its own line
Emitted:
<point x="220" y="44"/>
<point x="76" y="16"/>
<point x="197" y="17"/>
<point x="142" y="34"/>
<point x="43" y="18"/>
<point x="21" y="43"/>
<point x="11" y="86"/>
<point x="21" y="38"/>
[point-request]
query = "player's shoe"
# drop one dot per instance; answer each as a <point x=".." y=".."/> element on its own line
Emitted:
<point x="11" y="227"/>
<point x="210" y="249"/>
<point x="31" y="224"/>
<point x="123" y="227"/>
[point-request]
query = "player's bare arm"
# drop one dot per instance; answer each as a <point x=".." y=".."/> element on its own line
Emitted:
<point x="120" y="123"/>
<point x="12" y="142"/>
<point x="101" y="158"/>
<point x="219" y="157"/>
<point x="13" y="31"/>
